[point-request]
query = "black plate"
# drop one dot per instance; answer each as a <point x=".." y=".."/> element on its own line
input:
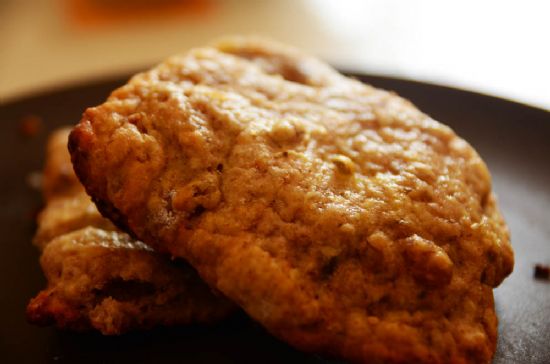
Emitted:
<point x="513" y="139"/>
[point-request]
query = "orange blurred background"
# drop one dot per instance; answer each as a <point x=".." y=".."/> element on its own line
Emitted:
<point x="497" y="47"/>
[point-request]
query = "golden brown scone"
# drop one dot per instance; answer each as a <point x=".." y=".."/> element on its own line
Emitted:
<point x="98" y="277"/>
<point x="339" y="216"/>
<point x="107" y="281"/>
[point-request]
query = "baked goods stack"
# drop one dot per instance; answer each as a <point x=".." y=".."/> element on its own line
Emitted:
<point x="337" y="215"/>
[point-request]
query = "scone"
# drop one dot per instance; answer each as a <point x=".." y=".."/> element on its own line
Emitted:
<point x="337" y="215"/>
<point x="100" y="278"/>
<point x="106" y="281"/>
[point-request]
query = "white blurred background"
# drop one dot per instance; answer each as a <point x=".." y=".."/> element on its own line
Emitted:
<point x="496" y="47"/>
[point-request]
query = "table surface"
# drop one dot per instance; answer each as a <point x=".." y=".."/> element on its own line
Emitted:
<point x="496" y="47"/>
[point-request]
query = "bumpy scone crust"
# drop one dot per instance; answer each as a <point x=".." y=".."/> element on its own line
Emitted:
<point x="336" y="214"/>
<point x="99" y="278"/>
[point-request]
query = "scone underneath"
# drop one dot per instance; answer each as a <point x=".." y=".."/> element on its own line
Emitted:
<point x="104" y="280"/>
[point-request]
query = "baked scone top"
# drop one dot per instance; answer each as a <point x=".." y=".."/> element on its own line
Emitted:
<point x="336" y="214"/>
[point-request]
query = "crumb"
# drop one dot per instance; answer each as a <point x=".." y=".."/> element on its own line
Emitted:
<point x="542" y="271"/>
<point x="30" y="125"/>
<point x="34" y="180"/>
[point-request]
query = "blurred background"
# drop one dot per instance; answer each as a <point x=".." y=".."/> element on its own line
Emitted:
<point x="496" y="47"/>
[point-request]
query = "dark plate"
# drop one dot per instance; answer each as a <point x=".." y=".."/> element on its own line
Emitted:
<point x="514" y="139"/>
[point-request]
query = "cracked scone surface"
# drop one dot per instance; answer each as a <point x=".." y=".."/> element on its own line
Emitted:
<point x="339" y="216"/>
<point x="100" y="278"/>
